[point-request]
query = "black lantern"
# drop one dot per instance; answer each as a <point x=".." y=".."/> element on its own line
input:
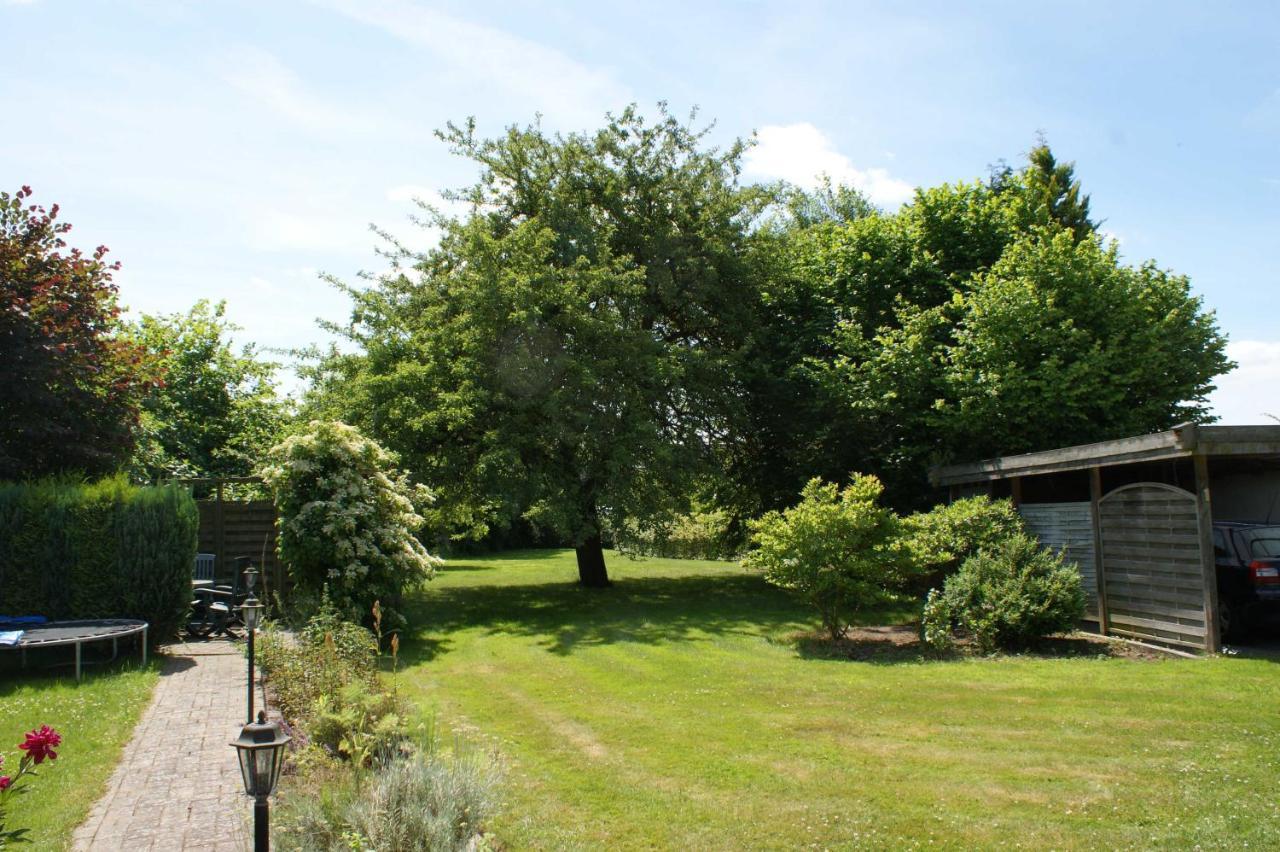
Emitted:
<point x="260" y="749"/>
<point x="250" y="577"/>
<point x="251" y="614"/>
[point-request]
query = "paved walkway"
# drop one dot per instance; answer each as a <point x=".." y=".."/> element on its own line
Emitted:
<point x="177" y="785"/>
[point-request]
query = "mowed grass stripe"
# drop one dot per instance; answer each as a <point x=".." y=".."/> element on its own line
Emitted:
<point x="675" y="711"/>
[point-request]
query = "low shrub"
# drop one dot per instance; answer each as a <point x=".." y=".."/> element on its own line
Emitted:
<point x="427" y="802"/>
<point x="840" y="549"/>
<point x="354" y="645"/>
<point x="359" y="724"/>
<point x="1005" y="597"/>
<point x="701" y="534"/>
<point x="944" y="537"/>
<point x="299" y="675"/>
<point x="324" y="657"/>
<point x="73" y="550"/>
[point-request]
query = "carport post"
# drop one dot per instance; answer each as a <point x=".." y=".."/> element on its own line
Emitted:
<point x="1099" y="565"/>
<point x="1208" y="565"/>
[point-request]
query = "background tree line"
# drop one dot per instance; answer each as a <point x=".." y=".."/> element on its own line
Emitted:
<point x="87" y="391"/>
<point x="616" y="334"/>
<point x="617" y="330"/>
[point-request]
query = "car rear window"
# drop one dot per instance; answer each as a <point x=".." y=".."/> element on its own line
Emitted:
<point x="1261" y="541"/>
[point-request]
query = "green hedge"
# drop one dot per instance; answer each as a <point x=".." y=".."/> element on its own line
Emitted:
<point x="102" y="550"/>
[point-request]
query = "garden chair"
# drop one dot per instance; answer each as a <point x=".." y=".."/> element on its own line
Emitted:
<point x="216" y="609"/>
<point x="204" y="568"/>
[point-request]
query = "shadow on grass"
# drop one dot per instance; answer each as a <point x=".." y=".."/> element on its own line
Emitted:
<point x="566" y="617"/>
<point x="45" y="669"/>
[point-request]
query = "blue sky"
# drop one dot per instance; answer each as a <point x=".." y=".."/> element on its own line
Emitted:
<point x="233" y="150"/>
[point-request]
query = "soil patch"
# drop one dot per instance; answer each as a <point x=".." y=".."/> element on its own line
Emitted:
<point x="898" y="643"/>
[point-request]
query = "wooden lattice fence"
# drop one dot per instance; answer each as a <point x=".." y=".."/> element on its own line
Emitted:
<point x="232" y="526"/>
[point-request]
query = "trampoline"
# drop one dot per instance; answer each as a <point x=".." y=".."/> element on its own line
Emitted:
<point x="77" y="633"/>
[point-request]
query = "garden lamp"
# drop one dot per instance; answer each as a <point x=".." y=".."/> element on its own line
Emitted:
<point x="260" y="749"/>
<point x="251" y="613"/>
<point x="250" y="577"/>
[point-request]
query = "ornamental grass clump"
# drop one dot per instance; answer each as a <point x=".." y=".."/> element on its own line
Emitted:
<point x="840" y="549"/>
<point x="427" y="802"/>
<point x="1006" y="597"/>
<point x="348" y="519"/>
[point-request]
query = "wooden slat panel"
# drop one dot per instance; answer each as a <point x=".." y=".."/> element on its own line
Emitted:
<point x="1189" y="627"/>
<point x="247" y="529"/>
<point x="1151" y="564"/>
<point x="1068" y="529"/>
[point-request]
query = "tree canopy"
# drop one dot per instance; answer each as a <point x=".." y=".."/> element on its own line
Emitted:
<point x="217" y="408"/>
<point x="977" y="320"/>
<point x="616" y="325"/>
<point x="73" y="385"/>
<point x="567" y="352"/>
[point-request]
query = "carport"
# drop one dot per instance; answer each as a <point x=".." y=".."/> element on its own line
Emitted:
<point x="1137" y="514"/>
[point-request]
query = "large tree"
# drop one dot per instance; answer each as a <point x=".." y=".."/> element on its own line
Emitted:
<point x="567" y="354"/>
<point x="218" y="409"/>
<point x="72" y="385"/>
<point x="979" y="319"/>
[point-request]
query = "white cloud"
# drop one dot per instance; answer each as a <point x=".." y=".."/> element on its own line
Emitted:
<point x="263" y="77"/>
<point x="283" y="230"/>
<point x="545" y="78"/>
<point x="801" y="154"/>
<point x="1250" y="392"/>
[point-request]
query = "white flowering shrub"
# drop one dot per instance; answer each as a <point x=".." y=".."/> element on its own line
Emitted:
<point x="348" y="519"/>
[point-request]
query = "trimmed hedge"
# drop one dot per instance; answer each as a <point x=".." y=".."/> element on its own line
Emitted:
<point x="107" y="549"/>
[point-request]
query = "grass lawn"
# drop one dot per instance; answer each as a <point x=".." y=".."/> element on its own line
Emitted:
<point x="676" y="711"/>
<point x="95" y="719"/>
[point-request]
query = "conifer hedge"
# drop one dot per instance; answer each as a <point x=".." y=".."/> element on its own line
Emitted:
<point x="108" y="549"/>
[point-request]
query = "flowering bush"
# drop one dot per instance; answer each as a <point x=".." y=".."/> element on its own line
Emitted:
<point x="348" y="518"/>
<point x="39" y="746"/>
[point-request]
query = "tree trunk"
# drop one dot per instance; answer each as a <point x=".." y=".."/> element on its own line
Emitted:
<point x="591" y="570"/>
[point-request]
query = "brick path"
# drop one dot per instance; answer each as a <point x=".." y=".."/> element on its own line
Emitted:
<point x="177" y="785"/>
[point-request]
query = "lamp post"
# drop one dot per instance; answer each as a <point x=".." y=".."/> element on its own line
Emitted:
<point x="260" y="749"/>
<point x="251" y="613"/>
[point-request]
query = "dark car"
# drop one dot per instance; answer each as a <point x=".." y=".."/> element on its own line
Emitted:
<point x="1248" y="560"/>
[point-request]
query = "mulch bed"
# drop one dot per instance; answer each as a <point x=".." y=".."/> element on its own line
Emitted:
<point x="898" y="643"/>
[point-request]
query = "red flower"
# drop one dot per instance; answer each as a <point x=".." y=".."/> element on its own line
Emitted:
<point x="5" y="781"/>
<point x="39" y="744"/>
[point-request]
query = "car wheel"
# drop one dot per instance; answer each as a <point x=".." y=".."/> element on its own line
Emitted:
<point x="1232" y="621"/>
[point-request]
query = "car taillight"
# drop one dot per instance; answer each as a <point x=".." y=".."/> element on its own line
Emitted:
<point x="1264" y="573"/>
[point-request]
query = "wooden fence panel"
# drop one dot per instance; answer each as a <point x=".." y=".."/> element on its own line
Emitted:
<point x="230" y="529"/>
<point x="1068" y="528"/>
<point x="1151" y="567"/>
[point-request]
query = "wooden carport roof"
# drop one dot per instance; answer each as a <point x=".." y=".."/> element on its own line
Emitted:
<point x="1185" y="441"/>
